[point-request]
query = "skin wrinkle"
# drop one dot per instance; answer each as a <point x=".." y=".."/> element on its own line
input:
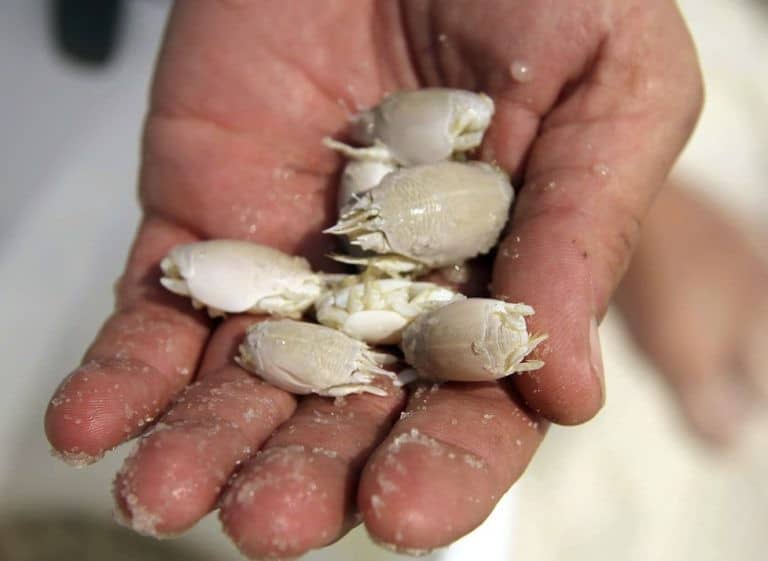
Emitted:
<point x="420" y="69"/>
<point x="313" y="80"/>
<point x="269" y="207"/>
<point x="212" y="421"/>
<point x="435" y="50"/>
<point x="394" y="49"/>
<point x="160" y="211"/>
<point x="202" y="108"/>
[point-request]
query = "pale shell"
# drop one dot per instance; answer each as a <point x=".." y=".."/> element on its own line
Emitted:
<point x="232" y="276"/>
<point x="421" y="126"/>
<point x="432" y="215"/>
<point x="360" y="176"/>
<point x="377" y="310"/>
<point x="304" y="358"/>
<point x="474" y="340"/>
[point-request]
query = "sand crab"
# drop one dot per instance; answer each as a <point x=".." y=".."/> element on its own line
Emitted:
<point x="420" y="126"/>
<point x="303" y="358"/>
<point x="360" y="176"/>
<point x="232" y="276"/>
<point x="377" y="310"/>
<point x="428" y="216"/>
<point x="473" y="340"/>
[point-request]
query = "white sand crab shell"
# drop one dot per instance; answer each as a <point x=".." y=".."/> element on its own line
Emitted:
<point x="377" y="310"/>
<point x="430" y="216"/>
<point x="304" y="358"/>
<point x="232" y="276"/>
<point x="474" y="340"/>
<point x="420" y="126"/>
<point x="360" y="176"/>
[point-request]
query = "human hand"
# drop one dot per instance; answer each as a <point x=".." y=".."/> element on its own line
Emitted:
<point x="694" y="299"/>
<point x="243" y="94"/>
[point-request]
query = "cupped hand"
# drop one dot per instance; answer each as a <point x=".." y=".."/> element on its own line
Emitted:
<point x="594" y="100"/>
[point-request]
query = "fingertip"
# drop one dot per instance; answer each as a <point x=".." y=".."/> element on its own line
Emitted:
<point x="570" y="388"/>
<point x="171" y="480"/>
<point x="285" y="502"/>
<point x="98" y="407"/>
<point x="543" y="264"/>
<point x="408" y="499"/>
<point x="576" y="400"/>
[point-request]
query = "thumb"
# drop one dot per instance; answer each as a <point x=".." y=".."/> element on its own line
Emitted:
<point x="593" y="169"/>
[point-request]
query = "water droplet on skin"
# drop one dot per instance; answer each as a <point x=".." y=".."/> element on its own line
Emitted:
<point x="521" y="71"/>
<point x="510" y="254"/>
<point x="601" y="169"/>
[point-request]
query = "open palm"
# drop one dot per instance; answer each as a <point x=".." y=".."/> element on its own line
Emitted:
<point x="594" y="100"/>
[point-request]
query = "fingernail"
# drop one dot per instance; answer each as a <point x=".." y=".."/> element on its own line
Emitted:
<point x="596" y="355"/>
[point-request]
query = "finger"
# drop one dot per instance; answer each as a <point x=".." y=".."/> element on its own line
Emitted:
<point x="599" y="157"/>
<point x="145" y="352"/>
<point x="514" y="60"/>
<point x="448" y="460"/>
<point x="298" y="494"/>
<point x="174" y="476"/>
<point x="690" y="298"/>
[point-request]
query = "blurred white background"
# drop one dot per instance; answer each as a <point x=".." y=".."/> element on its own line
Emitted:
<point x="631" y="485"/>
